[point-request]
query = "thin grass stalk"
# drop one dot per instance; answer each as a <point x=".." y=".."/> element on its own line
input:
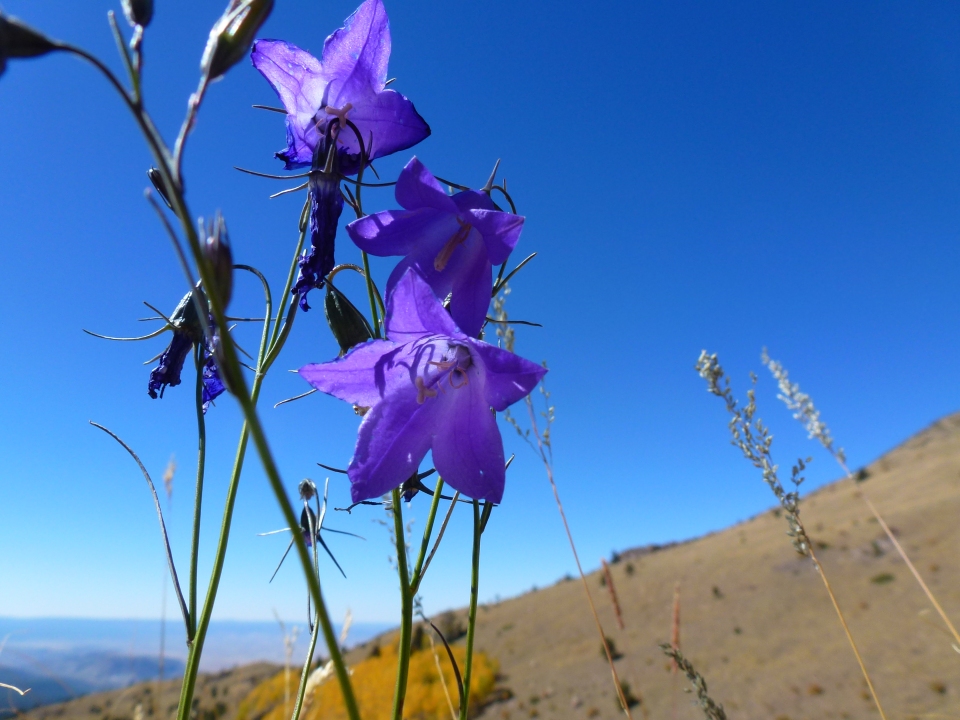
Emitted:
<point x="406" y="610"/>
<point x="472" y="621"/>
<point x="443" y="680"/>
<point x="198" y="498"/>
<point x="756" y="449"/>
<point x="608" y="576"/>
<point x="808" y="415"/>
<point x="583" y="578"/>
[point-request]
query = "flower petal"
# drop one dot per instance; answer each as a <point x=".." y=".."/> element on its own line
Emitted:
<point x="355" y="57"/>
<point x="364" y="375"/>
<point x="414" y="311"/>
<point x="417" y="188"/>
<point x="472" y="277"/>
<point x="467" y="447"/>
<point x="507" y="377"/>
<point x="500" y="231"/>
<point x="396" y="232"/>
<point x="388" y="123"/>
<point x="300" y="82"/>
<point x="394" y="437"/>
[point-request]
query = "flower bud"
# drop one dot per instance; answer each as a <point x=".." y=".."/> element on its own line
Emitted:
<point x="232" y="35"/>
<point x="348" y="325"/>
<point x="157" y="179"/>
<point x="216" y="249"/>
<point x="138" y="12"/>
<point x="20" y="41"/>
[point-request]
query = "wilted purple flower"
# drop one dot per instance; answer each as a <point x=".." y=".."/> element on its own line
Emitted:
<point x="187" y="332"/>
<point x="171" y="364"/>
<point x="452" y="241"/>
<point x="320" y="96"/>
<point x="428" y="386"/>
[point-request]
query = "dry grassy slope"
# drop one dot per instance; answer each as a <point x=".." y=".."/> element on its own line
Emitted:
<point x="217" y="696"/>
<point x="770" y="645"/>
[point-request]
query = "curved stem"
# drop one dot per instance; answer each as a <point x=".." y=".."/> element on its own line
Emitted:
<point x="406" y="610"/>
<point x="198" y="497"/>
<point x="472" y="623"/>
<point x="371" y="296"/>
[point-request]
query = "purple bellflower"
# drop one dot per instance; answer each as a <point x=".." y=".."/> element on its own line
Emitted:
<point x="429" y="386"/>
<point x="348" y="83"/>
<point x="452" y="241"/>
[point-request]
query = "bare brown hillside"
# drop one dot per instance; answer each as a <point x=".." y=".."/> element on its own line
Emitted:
<point x="756" y="620"/>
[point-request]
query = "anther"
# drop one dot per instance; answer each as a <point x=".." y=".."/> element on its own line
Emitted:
<point x="443" y="257"/>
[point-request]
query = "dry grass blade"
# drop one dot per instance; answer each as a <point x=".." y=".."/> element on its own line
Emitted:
<point x="608" y="576"/>
<point x="163" y="527"/>
<point x="15" y="689"/>
<point x="753" y="439"/>
<point x="806" y="412"/>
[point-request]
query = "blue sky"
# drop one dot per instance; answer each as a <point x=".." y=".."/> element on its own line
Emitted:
<point x="694" y="175"/>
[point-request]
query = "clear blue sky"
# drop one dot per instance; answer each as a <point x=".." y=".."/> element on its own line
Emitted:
<point x="694" y="175"/>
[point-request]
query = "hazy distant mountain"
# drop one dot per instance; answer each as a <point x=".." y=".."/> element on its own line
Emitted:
<point x="64" y="658"/>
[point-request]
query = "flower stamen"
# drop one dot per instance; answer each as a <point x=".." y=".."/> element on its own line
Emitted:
<point x="423" y="392"/>
<point x="340" y="114"/>
<point x="443" y="257"/>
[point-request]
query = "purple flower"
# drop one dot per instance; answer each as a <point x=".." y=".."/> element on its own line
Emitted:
<point x="453" y="242"/>
<point x="347" y="83"/>
<point x="320" y="96"/>
<point x="428" y="386"/>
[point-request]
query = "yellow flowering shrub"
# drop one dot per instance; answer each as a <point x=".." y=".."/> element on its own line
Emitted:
<point x="373" y="683"/>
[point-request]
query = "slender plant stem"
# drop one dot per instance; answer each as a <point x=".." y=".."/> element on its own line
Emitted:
<point x="846" y="629"/>
<point x="314" y="634"/>
<point x="406" y="609"/>
<point x="472" y="621"/>
<point x="198" y="497"/>
<point x="425" y="543"/>
<point x="903" y="555"/>
<point x="371" y="296"/>
<point x="583" y="578"/>
<point x="230" y="367"/>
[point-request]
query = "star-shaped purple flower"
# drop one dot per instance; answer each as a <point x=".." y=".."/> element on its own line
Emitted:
<point x="452" y="241"/>
<point x="427" y="387"/>
<point x="347" y="83"/>
<point x="320" y="96"/>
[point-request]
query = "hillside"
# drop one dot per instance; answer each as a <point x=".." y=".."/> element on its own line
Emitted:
<point x="755" y="618"/>
<point x="218" y="696"/>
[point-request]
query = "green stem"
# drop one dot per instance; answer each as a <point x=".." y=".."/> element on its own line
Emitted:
<point x="286" y="295"/>
<point x="406" y="610"/>
<point x="315" y="633"/>
<point x="471" y="627"/>
<point x="198" y="498"/>
<point x="425" y="543"/>
<point x="231" y="371"/>
<point x="370" y="295"/>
